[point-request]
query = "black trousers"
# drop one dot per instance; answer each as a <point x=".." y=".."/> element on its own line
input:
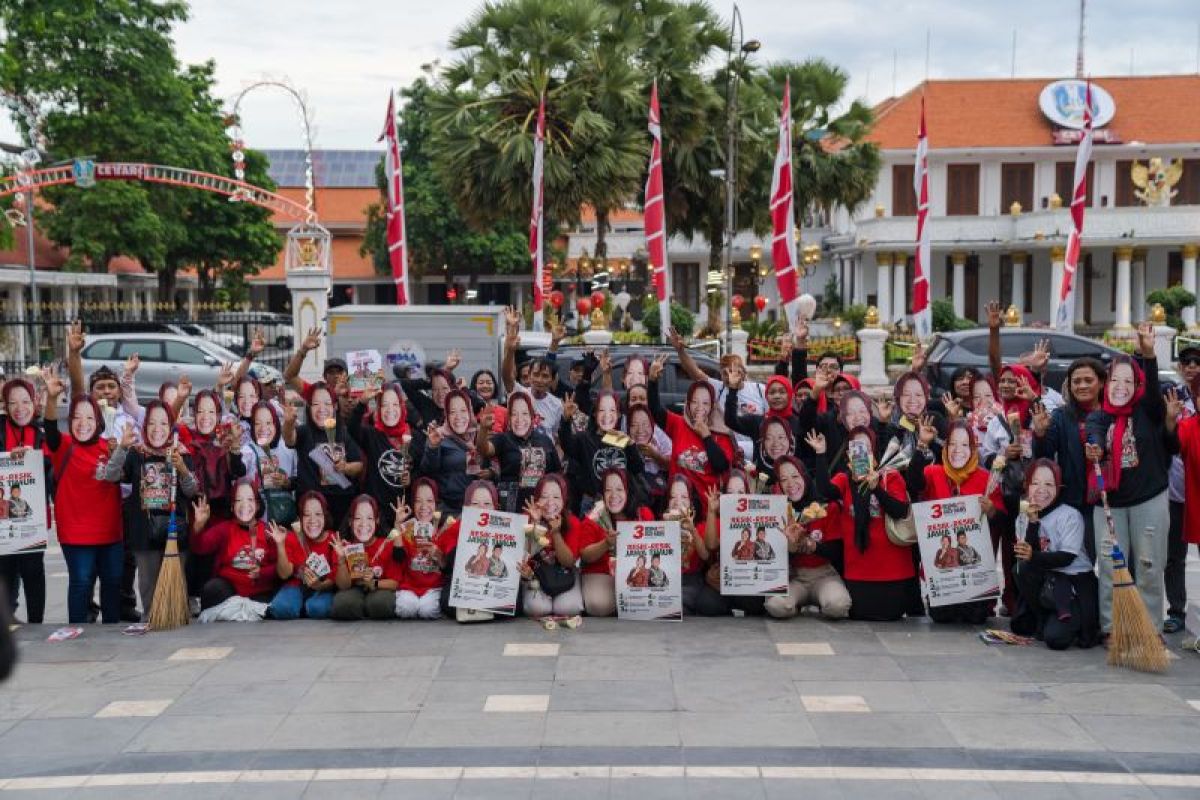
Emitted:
<point x="218" y="590"/>
<point x="28" y="570"/>
<point x="1173" y="574"/>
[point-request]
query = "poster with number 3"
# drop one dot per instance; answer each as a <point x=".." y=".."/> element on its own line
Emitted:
<point x="754" y="549"/>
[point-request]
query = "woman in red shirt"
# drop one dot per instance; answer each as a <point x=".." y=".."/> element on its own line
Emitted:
<point x="304" y="562"/>
<point x="422" y="546"/>
<point x="598" y="555"/>
<point x="957" y="475"/>
<point x="701" y="544"/>
<point x="368" y="571"/>
<point x="244" y="562"/>
<point x="21" y="431"/>
<point x="565" y="535"/>
<point x="87" y="502"/>
<point x="703" y="447"/>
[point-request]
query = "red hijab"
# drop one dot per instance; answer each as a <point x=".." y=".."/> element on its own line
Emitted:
<point x="1017" y="404"/>
<point x="786" y="412"/>
<point x="1120" y="415"/>
<point x="395" y="433"/>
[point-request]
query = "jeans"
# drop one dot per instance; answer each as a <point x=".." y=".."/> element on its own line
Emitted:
<point x="1173" y="576"/>
<point x="1142" y="533"/>
<point x="28" y="570"/>
<point x="84" y="563"/>
<point x="289" y="601"/>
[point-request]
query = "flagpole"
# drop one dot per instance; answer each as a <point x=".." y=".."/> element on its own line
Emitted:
<point x="536" y="218"/>
<point x="394" y="218"/>
<point x="1065" y="318"/>
<point x="783" y="214"/>
<point x="921" y="310"/>
<point x="656" y="218"/>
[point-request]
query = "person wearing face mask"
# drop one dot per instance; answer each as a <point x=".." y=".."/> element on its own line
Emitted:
<point x="1184" y="483"/>
<point x="654" y="446"/>
<point x="703" y="446"/>
<point x="548" y="406"/>
<point x="304" y="561"/>
<point x="479" y="494"/>
<point x="551" y="582"/>
<point x="1058" y="590"/>
<point x="367" y="581"/>
<point x="244" y="557"/>
<point x="147" y="510"/>
<point x="910" y="398"/>
<point x="87" y="501"/>
<point x="429" y="396"/>
<point x="1126" y="438"/>
<point x="391" y="447"/>
<point x="814" y="580"/>
<point x="959" y="474"/>
<point x="424" y="545"/>
<point x="982" y="407"/>
<point x="272" y="462"/>
<point x="599" y="448"/>
<point x="485" y="388"/>
<point x="1060" y="436"/>
<point x="523" y="451"/>
<point x="774" y="442"/>
<point x="700" y="545"/>
<point x="327" y="458"/>
<point x="20" y="431"/>
<point x="597" y="554"/>
<point x="450" y="456"/>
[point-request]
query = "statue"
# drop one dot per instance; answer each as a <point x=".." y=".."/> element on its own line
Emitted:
<point x="1154" y="181"/>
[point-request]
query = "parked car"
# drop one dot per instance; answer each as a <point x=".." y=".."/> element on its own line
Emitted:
<point x="949" y="351"/>
<point x="230" y="341"/>
<point x="164" y="357"/>
<point x="277" y="327"/>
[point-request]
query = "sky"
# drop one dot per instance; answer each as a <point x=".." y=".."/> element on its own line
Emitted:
<point x="346" y="55"/>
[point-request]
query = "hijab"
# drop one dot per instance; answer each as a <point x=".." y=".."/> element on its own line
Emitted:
<point x="1020" y="405"/>
<point x="1121" y="420"/>
<point x="522" y="398"/>
<point x="959" y="475"/>
<point x="395" y="433"/>
<point x="23" y="435"/>
<point x="716" y="418"/>
<point x="786" y="411"/>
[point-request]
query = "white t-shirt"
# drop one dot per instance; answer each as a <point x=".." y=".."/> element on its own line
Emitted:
<point x="752" y="399"/>
<point x="548" y="407"/>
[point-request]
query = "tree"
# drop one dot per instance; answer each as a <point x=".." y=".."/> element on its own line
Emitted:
<point x="436" y="231"/>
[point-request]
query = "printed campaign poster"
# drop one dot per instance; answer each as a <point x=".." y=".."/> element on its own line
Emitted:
<point x="956" y="551"/>
<point x="22" y="503"/>
<point x="754" y="550"/>
<point x="491" y="546"/>
<point x="648" y="571"/>
<point x="364" y="367"/>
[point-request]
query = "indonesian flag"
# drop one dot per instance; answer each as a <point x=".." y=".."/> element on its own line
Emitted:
<point x="656" y="229"/>
<point x="783" y="218"/>
<point x="921" y="310"/>
<point x="394" y="172"/>
<point x="536" y="218"/>
<point x="1065" y="320"/>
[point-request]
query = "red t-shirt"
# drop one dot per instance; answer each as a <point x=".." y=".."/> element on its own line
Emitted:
<point x="381" y="562"/>
<point x="689" y="457"/>
<point x="299" y="547"/>
<point x="690" y="562"/>
<point x="237" y="551"/>
<point x="939" y="487"/>
<point x="1189" y="453"/>
<point x="88" y="510"/>
<point x="826" y="529"/>
<point x="576" y="538"/>
<point x="881" y="561"/>
<point x="422" y="573"/>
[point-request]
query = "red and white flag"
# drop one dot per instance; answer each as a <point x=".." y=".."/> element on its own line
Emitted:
<point x="394" y="172"/>
<point x="921" y="310"/>
<point x="1064" y="320"/>
<point x="656" y="219"/>
<point x="783" y="217"/>
<point x="536" y="218"/>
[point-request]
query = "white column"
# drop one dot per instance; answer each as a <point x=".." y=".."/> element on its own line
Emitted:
<point x="873" y="369"/>
<point x="310" y="306"/>
<point x="191" y="302"/>
<point x="1164" y="337"/>
<point x="900" y="282"/>
<point x="1189" y="282"/>
<point x="1139" y="284"/>
<point x="860" y="288"/>
<point x="958" y="260"/>
<point x="151" y="299"/>
<point x="135" y="298"/>
<point x="1124" y="306"/>
<point x="1018" y="279"/>
<point x="1057" y="257"/>
<point x="16" y="312"/>
<point x="883" y="290"/>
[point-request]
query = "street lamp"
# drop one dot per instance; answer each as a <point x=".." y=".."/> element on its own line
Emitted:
<point x="737" y="54"/>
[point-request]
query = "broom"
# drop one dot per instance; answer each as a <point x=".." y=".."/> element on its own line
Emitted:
<point x="169" y="609"/>
<point x="1135" y="641"/>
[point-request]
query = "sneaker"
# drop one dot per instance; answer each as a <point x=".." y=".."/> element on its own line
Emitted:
<point x="1173" y="624"/>
<point x="194" y="606"/>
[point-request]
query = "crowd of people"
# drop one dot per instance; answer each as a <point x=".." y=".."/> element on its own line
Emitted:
<point x="273" y="485"/>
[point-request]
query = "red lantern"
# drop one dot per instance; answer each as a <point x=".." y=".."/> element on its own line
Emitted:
<point x="556" y="298"/>
<point x="597" y="299"/>
<point x="583" y="306"/>
<point x="760" y="302"/>
<point x="452" y="294"/>
<point x="738" y="301"/>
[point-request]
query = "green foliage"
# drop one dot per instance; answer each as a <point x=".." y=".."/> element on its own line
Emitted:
<point x="762" y="329"/>
<point x="831" y="299"/>
<point x="1173" y="300"/>
<point x="944" y="319"/>
<point x="437" y="232"/>
<point x="682" y="319"/>
<point x="855" y="316"/>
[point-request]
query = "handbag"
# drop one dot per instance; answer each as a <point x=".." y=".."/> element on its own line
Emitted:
<point x="553" y="578"/>
<point x="901" y="532"/>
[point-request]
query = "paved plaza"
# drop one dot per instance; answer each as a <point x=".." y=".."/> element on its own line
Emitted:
<point x="722" y="708"/>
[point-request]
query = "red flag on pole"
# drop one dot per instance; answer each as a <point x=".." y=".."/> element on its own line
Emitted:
<point x="536" y="219"/>
<point x="1064" y="319"/>
<point x="921" y="310"/>
<point x="656" y="228"/>
<point x="394" y="172"/>
<point x="783" y="217"/>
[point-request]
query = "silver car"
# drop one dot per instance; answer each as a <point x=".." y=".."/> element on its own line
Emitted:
<point x="164" y="357"/>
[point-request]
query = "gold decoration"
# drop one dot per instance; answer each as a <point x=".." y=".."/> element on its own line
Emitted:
<point x="598" y="318"/>
<point x="1154" y="180"/>
<point x="883" y="259"/>
<point x="871" y="319"/>
<point x="1124" y="253"/>
<point x="879" y="210"/>
<point x="1012" y="317"/>
<point x="1015" y="209"/>
<point x="755" y="252"/>
<point x="1038" y="235"/>
<point x="1158" y="314"/>
<point x="958" y="258"/>
<point x="735" y="316"/>
<point x="1189" y="251"/>
<point x="1055" y="201"/>
<point x="1018" y="257"/>
<point x="308" y="253"/>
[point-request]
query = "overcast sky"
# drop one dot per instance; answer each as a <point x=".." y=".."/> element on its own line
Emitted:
<point x="347" y="54"/>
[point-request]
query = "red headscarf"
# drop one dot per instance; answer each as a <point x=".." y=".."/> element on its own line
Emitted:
<point x="855" y="384"/>
<point x="20" y="435"/>
<point x="786" y="412"/>
<point x="394" y="433"/>
<point x="1017" y="404"/>
<point x="1120" y="415"/>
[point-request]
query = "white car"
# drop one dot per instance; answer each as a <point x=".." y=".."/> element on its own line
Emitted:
<point x="230" y="341"/>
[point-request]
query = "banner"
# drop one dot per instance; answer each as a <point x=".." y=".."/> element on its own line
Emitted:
<point x="655" y="216"/>
<point x="783" y="217"/>
<point x="364" y="367"/>
<point x="921" y="308"/>
<point x="393" y="171"/>
<point x="22" y="503"/>
<point x="491" y="546"/>
<point x="956" y="551"/>
<point x="754" y="551"/>
<point x="536" y="218"/>
<point x="649" y="571"/>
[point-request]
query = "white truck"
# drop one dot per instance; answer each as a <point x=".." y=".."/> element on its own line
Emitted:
<point x="412" y="336"/>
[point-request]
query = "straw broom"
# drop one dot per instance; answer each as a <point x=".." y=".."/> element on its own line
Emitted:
<point x="169" y="609"/>
<point x="1135" y="641"/>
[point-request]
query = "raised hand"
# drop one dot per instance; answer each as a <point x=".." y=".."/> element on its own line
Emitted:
<point x="1174" y="406"/>
<point x="277" y="534"/>
<point x="918" y="357"/>
<point x="311" y="341"/>
<point x="185" y="386"/>
<point x="433" y="435"/>
<point x="132" y="363"/>
<point x="54" y="384"/>
<point x="926" y="431"/>
<point x="1025" y="391"/>
<point x="225" y="375"/>
<point x="883" y="408"/>
<point x="558" y="332"/>
<point x="821" y="381"/>
<point x="289" y="414"/>
<point x="1036" y="360"/>
<point x="815" y="440"/>
<point x="800" y="334"/>
<point x="487" y="418"/>
<point x="657" y="366"/>
<point x="700" y="426"/>
<point x="952" y="405"/>
<point x="453" y="359"/>
<point x="75" y="337"/>
<point x="533" y="511"/>
<point x="570" y="407"/>
<point x="200" y="512"/>
<point x="258" y="343"/>
<point x="712" y="497"/>
<point x="126" y="440"/>
<point x="1145" y="333"/>
<point x="994" y="314"/>
<point x="1040" y="420"/>
<point x="402" y="511"/>
<point x="605" y="361"/>
<point x="674" y="339"/>
<point x="512" y="321"/>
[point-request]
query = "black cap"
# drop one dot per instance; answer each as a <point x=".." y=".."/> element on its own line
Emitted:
<point x="1191" y="351"/>
<point x="335" y="363"/>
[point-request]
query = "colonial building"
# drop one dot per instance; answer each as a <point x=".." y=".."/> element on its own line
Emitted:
<point x="1001" y="160"/>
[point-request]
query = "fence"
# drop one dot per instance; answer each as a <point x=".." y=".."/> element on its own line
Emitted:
<point x="224" y="335"/>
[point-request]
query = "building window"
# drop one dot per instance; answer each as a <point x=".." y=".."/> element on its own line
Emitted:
<point x="1006" y="282"/>
<point x="1175" y="268"/>
<point x="1189" y="184"/>
<point x="685" y="285"/>
<point x="962" y="190"/>
<point x="1016" y="185"/>
<point x="1064" y="181"/>
<point x="904" y="199"/>
<point x="1125" y="188"/>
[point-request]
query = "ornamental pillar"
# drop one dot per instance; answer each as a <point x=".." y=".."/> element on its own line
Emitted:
<point x="900" y="287"/>
<point x="883" y="284"/>
<point x="958" y="260"/>
<point x="1124" y="288"/>
<point x="1189" y="282"/>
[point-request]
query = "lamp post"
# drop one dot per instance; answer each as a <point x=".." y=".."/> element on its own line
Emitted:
<point x="737" y="55"/>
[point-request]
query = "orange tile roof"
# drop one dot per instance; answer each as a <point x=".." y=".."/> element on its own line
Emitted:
<point x="336" y="206"/>
<point x="1158" y="109"/>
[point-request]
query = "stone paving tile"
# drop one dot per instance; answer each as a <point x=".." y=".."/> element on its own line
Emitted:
<point x="600" y="729"/>
<point x="956" y="790"/>
<point x="835" y="704"/>
<point x="760" y="697"/>
<point x="776" y="789"/>
<point x="532" y="649"/>
<point x="463" y="729"/>
<point x="231" y="699"/>
<point x="319" y="731"/>
<point x="616" y="643"/>
<point x="984" y="667"/>
<point x="200" y="654"/>
<point x="859" y="668"/>
<point x="880" y="730"/>
<point x="733" y="730"/>
<point x="879" y="695"/>
<point x="516" y="703"/>
<point x="363" y="696"/>
<point x="420" y="789"/>
<point x="482" y="668"/>
<point x="735" y="670"/>
<point x="638" y="789"/>
<point x="994" y="696"/>
<point x="470" y="695"/>
<point x="390" y="669"/>
<point x="575" y="788"/>
<point x="505" y="789"/>
<point x="76" y="737"/>
<point x="632" y="695"/>
<point x="1159" y="734"/>
<point x="985" y="731"/>
<point x="1117" y="698"/>
<point x="612" y="668"/>
<point x="185" y="733"/>
<point x="950" y="641"/>
<point x="86" y="701"/>
<point x="133" y="708"/>
<point x="287" y="670"/>
<point x="804" y="648"/>
<point x="338" y="790"/>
